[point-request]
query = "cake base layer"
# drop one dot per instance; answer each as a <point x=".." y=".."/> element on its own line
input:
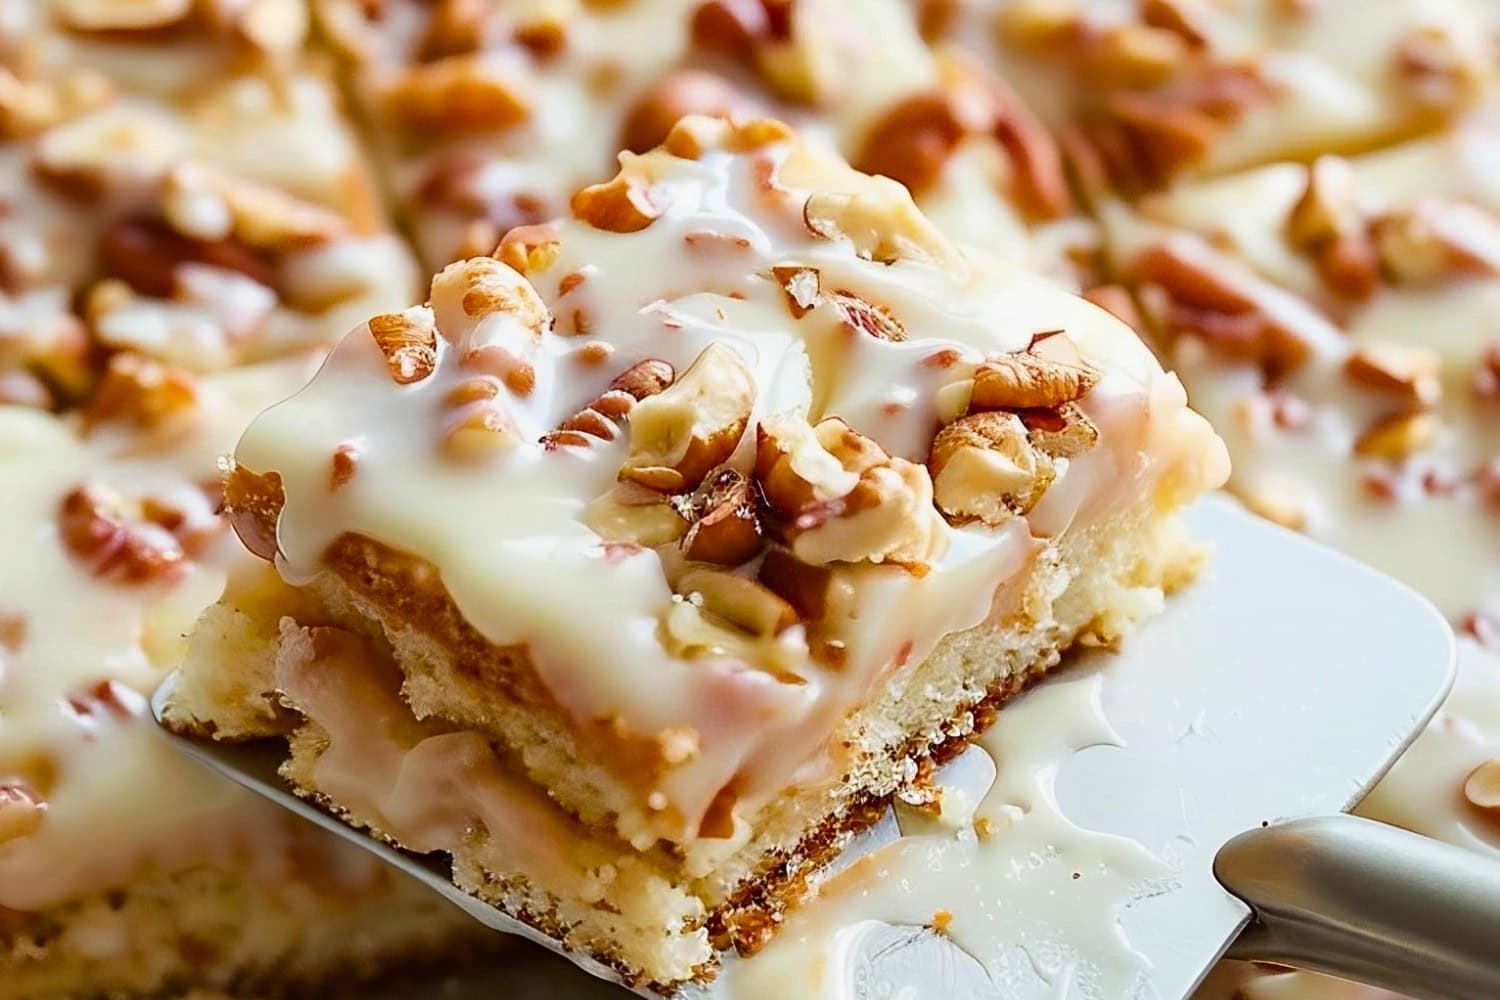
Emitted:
<point x="658" y="916"/>
<point x="232" y="935"/>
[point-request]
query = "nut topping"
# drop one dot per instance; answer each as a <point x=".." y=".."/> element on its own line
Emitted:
<point x="409" y="342"/>
<point x="1434" y="240"/>
<point x="800" y="285"/>
<point x="467" y="93"/>
<point x="529" y="249"/>
<point x="600" y="419"/>
<point x="724" y="524"/>
<point x="1023" y="380"/>
<point x="741" y="602"/>
<point x="1397" y="436"/>
<point x="621" y="205"/>
<point x="984" y="468"/>
<point x="94" y="528"/>
<point x="144" y="392"/>
<point x="1408" y="373"/>
<point x="881" y="222"/>
<point x="679" y="434"/>
<point x="867" y="317"/>
<point x="683" y="92"/>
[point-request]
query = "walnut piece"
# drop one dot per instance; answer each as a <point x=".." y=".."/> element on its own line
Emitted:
<point x="841" y="498"/>
<point x="408" y="340"/>
<point x="600" y="418"/>
<point x="681" y="433"/>
<point x="985" y="468"/>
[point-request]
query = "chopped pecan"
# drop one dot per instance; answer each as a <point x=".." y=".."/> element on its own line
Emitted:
<point x="738" y="600"/>
<point x="1434" y="240"/>
<point x="865" y="317"/>
<point x="205" y="203"/>
<point x="1408" y="373"/>
<point x="621" y="205"/>
<point x="96" y="529"/>
<point x="146" y="255"/>
<point x="985" y="468"/>
<point x="529" y="249"/>
<point x="408" y="340"/>
<point x="1397" y="436"/>
<point x="724" y="522"/>
<point x="1023" y="380"/>
<point x="463" y="93"/>
<point x="682" y="92"/>
<point x="600" y="418"/>
<point x="147" y="393"/>
<point x="345" y="464"/>
<point x="881" y="222"/>
<point x="459" y="27"/>
<point x="678" y="435"/>
<point x="800" y="285"/>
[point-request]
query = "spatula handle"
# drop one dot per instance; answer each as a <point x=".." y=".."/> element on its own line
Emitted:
<point x="1368" y="902"/>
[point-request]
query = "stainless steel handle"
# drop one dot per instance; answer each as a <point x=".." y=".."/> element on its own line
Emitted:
<point x="1368" y="902"/>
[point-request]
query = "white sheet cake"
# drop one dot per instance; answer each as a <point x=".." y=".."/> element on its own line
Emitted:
<point x="190" y="218"/>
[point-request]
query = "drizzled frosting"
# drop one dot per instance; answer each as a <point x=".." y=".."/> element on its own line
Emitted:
<point x="507" y="533"/>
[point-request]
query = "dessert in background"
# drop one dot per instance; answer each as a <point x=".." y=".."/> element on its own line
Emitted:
<point x="1146" y="92"/>
<point x="490" y="116"/>
<point x="638" y="584"/>
<point x="1337" y="324"/>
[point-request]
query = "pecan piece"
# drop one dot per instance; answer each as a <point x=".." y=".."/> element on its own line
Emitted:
<point x="600" y="418"/>
<point x="621" y="205"/>
<point x="681" y="433"/>
<point x="94" y="527"/>
<point x="724" y="523"/>
<point x="676" y="95"/>
<point x="1022" y="380"/>
<point x="1408" y="373"/>
<point x="408" y="341"/>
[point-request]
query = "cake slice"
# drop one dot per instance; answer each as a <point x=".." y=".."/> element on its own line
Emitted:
<point x="642" y="565"/>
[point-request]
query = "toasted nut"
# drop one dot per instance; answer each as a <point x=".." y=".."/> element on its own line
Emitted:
<point x="1350" y="266"/>
<point x="122" y="15"/>
<point x="912" y="142"/>
<point x="1136" y="56"/>
<point x="854" y="451"/>
<point x="805" y="587"/>
<point x="530" y="249"/>
<point x="144" y="392"/>
<point x="1434" y="240"/>
<point x="888" y="517"/>
<point x="741" y="602"/>
<point x="621" y="205"/>
<point x="683" y="92"/>
<point x="694" y="134"/>
<point x="1482" y="787"/>
<point x="1024" y="380"/>
<point x="1205" y="300"/>
<point x="1440" y="69"/>
<point x="486" y="286"/>
<point x="1065" y="432"/>
<point x="30" y="107"/>
<point x="21" y="811"/>
<point x="458" y="27"/>
<point x="600" y="419"/>
<point x="867" y="317"/>
<point x="1031" y="25"/>
<point x="1409" y="373"/>
<point x="985" y="468"/>
<point x="1397" y="436"/>
<point x="94" y="527"/>
<point x="724" y="524"/>
<point x="205" y="203"/>
<point x="477" y="432"/>
<point x="465" y="93"/>
<point x="881" y="222"/>
<point x="148" y="257"/>
<point x="633" y="514"/>
<point x="1328" y="208"/>
<point x="275" y="27"/>
<point x="678" y="435"/>
<point x="116" y="144"/>
<point x="801" y="287"/>
<point x="952" y="400"/>
<point x="795" y="471"/>
<point x="408" y="340"/>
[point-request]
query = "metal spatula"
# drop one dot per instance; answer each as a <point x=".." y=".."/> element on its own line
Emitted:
<point x="1268" y="698"/>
